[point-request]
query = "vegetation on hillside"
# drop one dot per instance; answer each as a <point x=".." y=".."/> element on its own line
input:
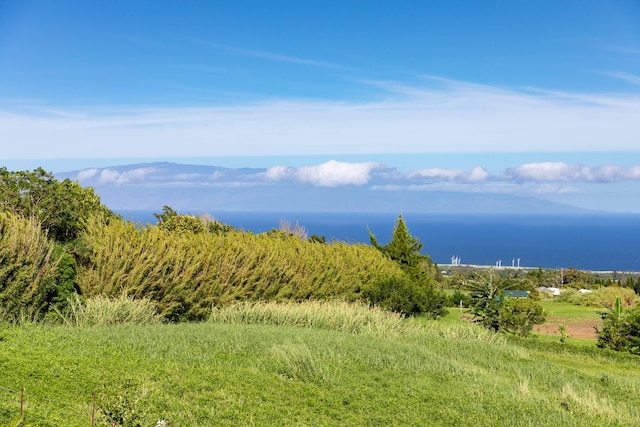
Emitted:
<point x="308" y="365"/>
<point x="61" y="248"/>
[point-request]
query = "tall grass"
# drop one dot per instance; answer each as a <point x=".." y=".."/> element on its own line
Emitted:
<point x="185" y="274"/>
<point x="604" y="296"/>
<point x="206" y="373"/>
<point x="353" y="318"/>
<point x="27" y="267"/>
<point x="104" y="311"/>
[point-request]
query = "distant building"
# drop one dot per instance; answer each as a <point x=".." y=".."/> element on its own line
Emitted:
<point x="512" y="293"/>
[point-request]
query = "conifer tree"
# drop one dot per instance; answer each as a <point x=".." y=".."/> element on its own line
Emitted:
<point x="403" y="249"/>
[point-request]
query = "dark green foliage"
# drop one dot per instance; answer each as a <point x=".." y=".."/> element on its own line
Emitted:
<point x="404" y="249"/>
<point x="519" y="316"/>
<point x="406" y="296"/>
<point x="172" y="221"/>
<point x="66" y="273"/>
<point x="456" y="298"/>
<point x="485" y="296"/>
<point x="414" y="294"/>
<point x="27" y="268"/>
<point x="61" y="207"/>
<point x="495" y="312"/>
<point x="620" y="330"/>
<point x="317" y="239"/>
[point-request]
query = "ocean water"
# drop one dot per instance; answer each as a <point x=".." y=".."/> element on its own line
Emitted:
<point x="605" y="242"/>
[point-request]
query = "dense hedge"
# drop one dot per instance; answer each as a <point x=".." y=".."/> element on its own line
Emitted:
<point x="28" y="268"/>
<point x="186" y="274"/>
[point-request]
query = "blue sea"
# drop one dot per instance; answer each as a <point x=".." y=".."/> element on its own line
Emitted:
<point x="603" y="242"/>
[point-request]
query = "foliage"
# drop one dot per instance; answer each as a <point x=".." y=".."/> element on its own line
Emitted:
<point x="485" y="297"/>
<point x="413" y="294"/>
<point x="185" y="274"/>
<point x="490" y="308"/>
<point x="406" y="296"/>
<point x="518" y="316"/>
<point x="28" y="268"/>
<point x="353" y="318"/>
<point x="61" y="207"/>
<point x="620" y="330"/>
<point x="102" y="311"/>
<point x="602" y="296"/>
<point x="123" y="407"/>
<point x="172" y="221"/>
<point x="457" y="298"/>
<point x="318" y="239"/>
<point x="403" y="249"/>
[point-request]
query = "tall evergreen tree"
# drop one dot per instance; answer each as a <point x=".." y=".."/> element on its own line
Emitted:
<point x="403" y="247"/>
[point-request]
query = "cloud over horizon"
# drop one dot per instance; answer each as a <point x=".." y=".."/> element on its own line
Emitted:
<point x="563" y="172"/>
<point x="435" y="115"/>
<point x="335" y="173"/>
<point x="329" y="174"/>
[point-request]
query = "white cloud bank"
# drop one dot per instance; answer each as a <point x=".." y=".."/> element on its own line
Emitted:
<point x="559" y="171"/>
<point x="328" y="174"/>
<point x="110" y="176"/>
<point x="475" y="175"/>
<point x="441" y="116"/>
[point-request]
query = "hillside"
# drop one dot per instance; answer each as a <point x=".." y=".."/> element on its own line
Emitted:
<point x="224" y="374"/>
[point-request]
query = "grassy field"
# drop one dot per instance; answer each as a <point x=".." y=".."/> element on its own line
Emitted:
<point x="274" y="369"/>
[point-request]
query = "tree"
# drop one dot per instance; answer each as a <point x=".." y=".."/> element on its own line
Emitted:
<point x="403" y="247"/>
<point x="485" y="296"/>
<point x="414" y="294"/>
<point x="620" y="330"/>
<point x="490" y="307"/>
<point x="171" y="220"/>
<point x="519" y="315"/>
<point x="61" y="207"/>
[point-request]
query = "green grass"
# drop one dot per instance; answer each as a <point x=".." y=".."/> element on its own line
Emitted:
<point x="230" y="374"/>
<point x="570" y="311"/>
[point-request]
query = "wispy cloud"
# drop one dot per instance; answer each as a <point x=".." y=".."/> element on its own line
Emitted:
<point x="475" y="175"/>
<point x="110" y="176"/>
<point x="271" y="56"/>
<point x="445" y="117"/>
<point x="563" y="172"/>
<point x="622" y="75"/>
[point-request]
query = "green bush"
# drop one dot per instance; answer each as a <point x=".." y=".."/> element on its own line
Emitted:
<point x="620" y="330"/>
<point x="490" y="307"/>
<point x="185" y="274"/>
<point x="604" y="296"/>
<point x="406" y="296"/>
<point x="519" y="315"/>
<point x="27" y="269"/>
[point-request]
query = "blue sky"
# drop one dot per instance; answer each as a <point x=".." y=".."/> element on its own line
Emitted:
<point x="539" y="98"/>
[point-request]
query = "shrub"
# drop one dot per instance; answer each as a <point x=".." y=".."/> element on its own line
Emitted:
<point x="604" y="296"/>
<point x="620" y="330"/>
<point x="185" y="274"/>
<point x="456" y="298"/>
<point x="518" y="316"/>
<point x="27" y="268"/>
<point x="406" y="296"/>
<point x="495" y="312"/>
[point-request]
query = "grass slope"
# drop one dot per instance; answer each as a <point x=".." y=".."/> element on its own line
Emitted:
<point x="260" y="374"/>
